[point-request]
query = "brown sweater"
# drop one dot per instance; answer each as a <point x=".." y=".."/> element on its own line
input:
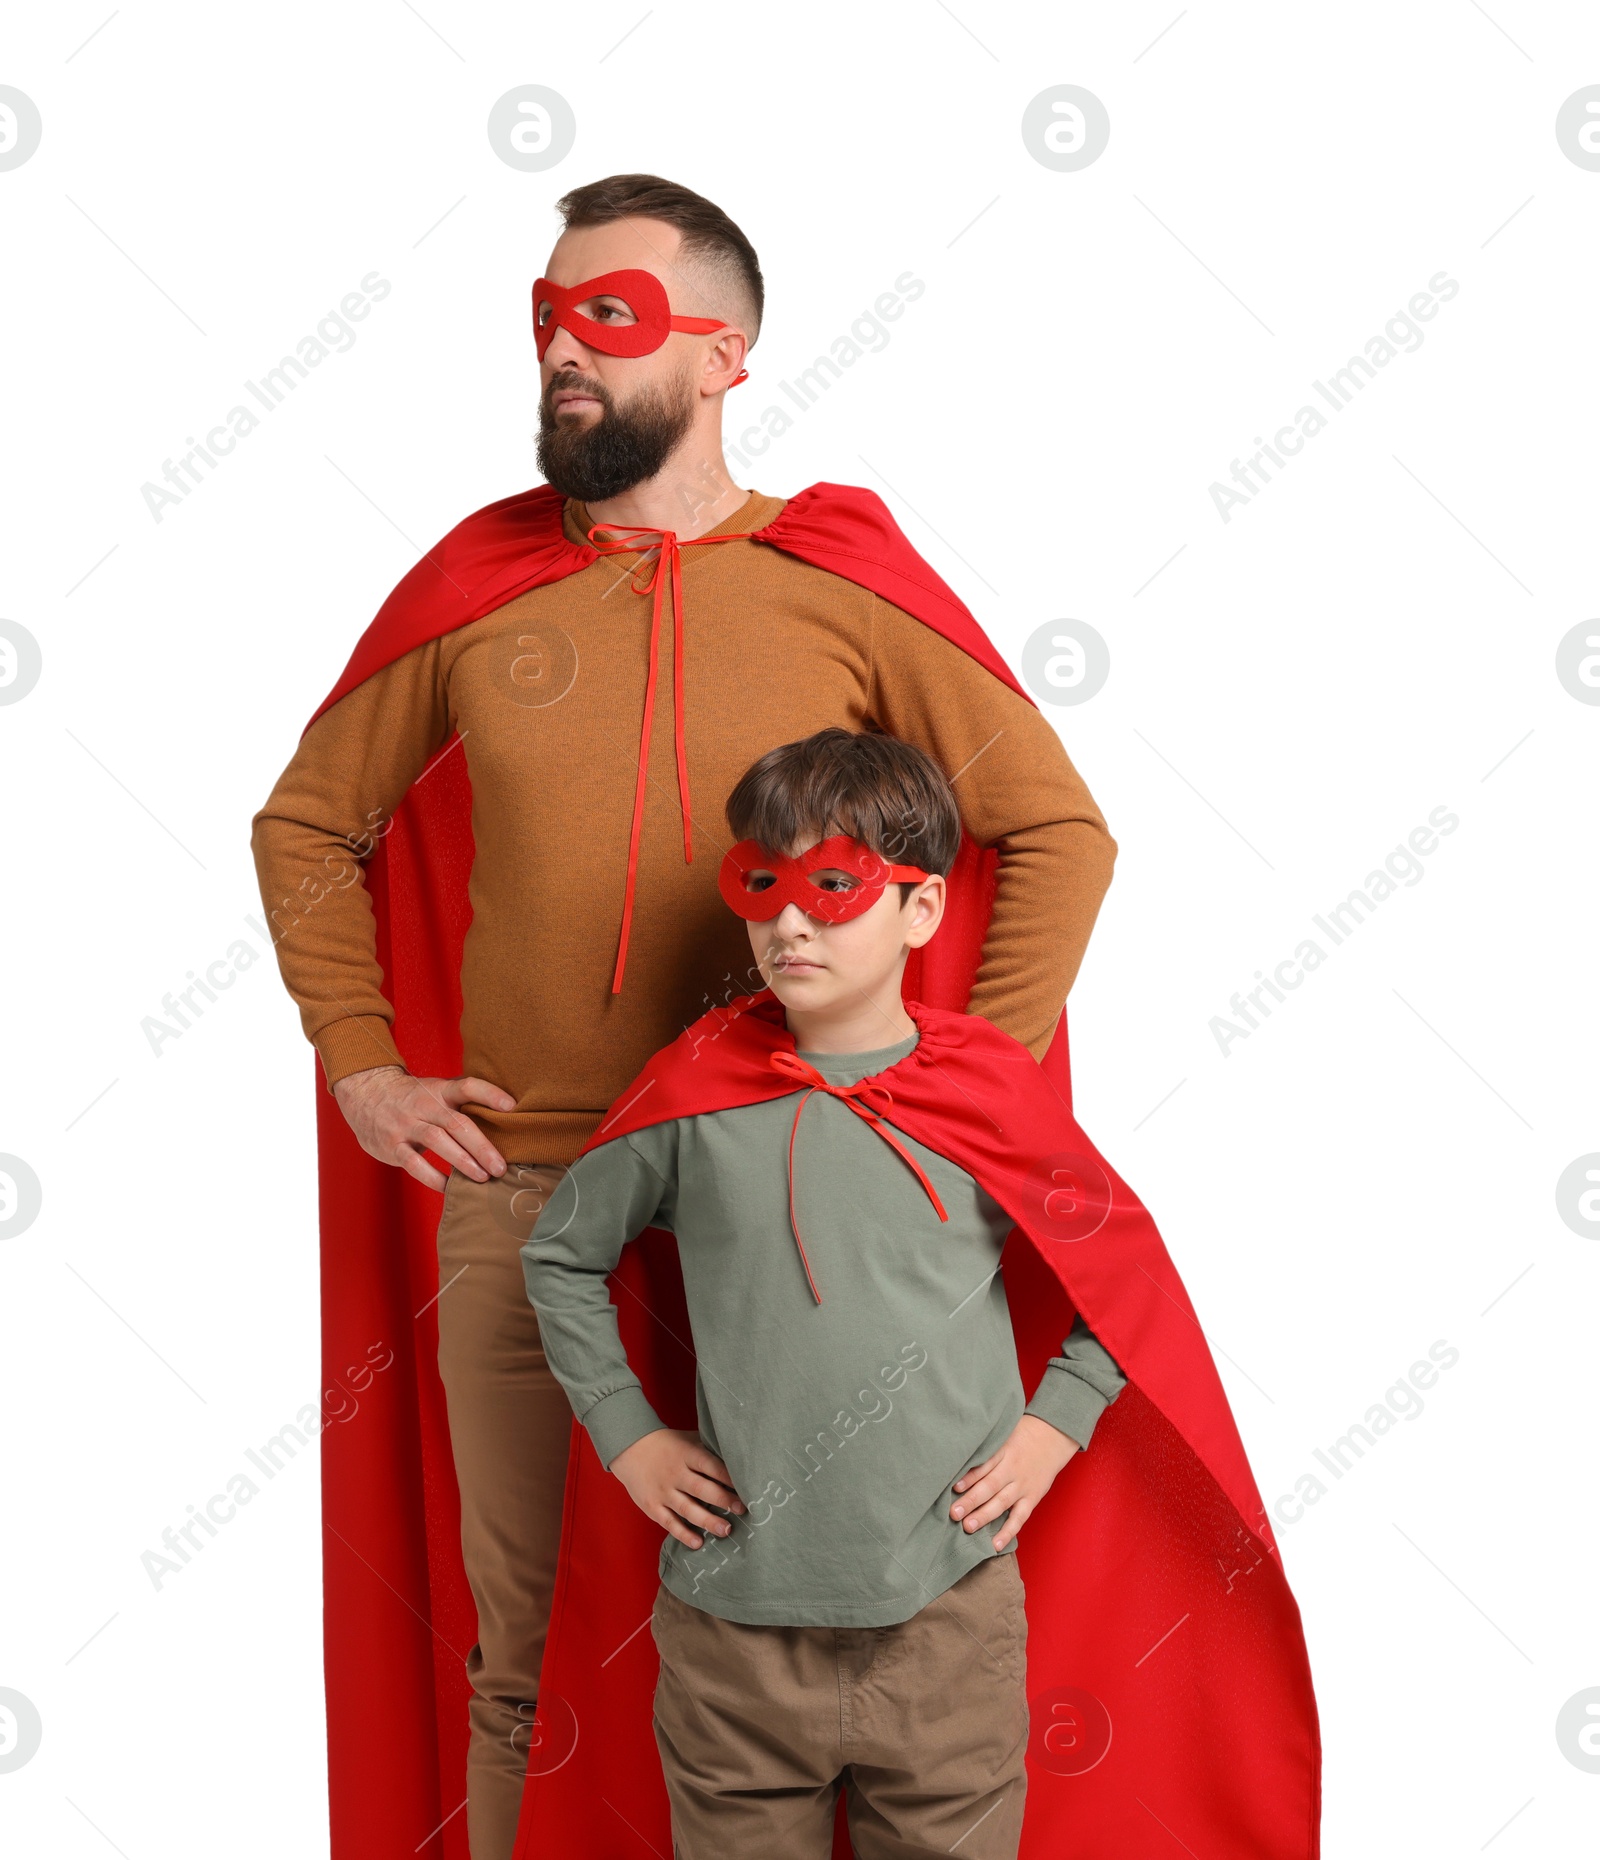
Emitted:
<point x="547" y="694"/>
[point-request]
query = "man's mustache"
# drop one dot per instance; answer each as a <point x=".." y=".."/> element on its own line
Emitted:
<point x="563" y="383"/>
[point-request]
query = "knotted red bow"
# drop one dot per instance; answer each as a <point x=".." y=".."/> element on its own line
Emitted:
<point x="666" y="560"/>
<point x="852" y="1095"/>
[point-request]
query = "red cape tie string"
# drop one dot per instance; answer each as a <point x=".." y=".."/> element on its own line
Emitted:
<point x="667" y="562"/>
<point x="852" y="1095"/>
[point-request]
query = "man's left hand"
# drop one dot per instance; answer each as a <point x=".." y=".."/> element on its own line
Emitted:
<point x="1014" y="1479"/>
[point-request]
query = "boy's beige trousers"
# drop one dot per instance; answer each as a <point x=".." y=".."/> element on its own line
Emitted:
<point x="923" y="1725"/>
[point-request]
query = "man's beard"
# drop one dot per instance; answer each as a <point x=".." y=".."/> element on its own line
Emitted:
<point x="593" y="459"/>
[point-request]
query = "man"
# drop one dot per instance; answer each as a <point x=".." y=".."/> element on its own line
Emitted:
<point x="600" y="737"/>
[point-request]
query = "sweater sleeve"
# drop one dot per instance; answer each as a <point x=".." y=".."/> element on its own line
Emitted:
<point x="324" y="818"/>
<point x="599" y="1205"/>
<point x="1018" y="792"/>
<point x="1078" y="1385"/>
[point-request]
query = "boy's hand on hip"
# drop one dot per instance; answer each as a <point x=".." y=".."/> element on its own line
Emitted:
<point x="1014" y="1479"/>
<point x="674" y="1478"/>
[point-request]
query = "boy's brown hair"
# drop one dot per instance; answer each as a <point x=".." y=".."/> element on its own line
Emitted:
<point x="888" y="794"/>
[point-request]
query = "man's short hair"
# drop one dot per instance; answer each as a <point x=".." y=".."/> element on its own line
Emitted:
<point x="710" y="238"/>
<point x="888" y="794"/>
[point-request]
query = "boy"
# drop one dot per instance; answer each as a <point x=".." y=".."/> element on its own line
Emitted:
<point x="837" y="1604"/>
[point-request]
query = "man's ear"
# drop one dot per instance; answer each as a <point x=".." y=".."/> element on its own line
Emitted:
<point x="723" y="361"/>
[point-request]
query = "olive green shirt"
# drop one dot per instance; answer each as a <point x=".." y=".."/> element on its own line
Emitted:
<point x="843" y="1423"/>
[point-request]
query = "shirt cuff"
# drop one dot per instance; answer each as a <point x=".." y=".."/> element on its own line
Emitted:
<point x="617" y="1420"/>
<point x="1069" y="1403"/>
<point x="355" y="1044"/>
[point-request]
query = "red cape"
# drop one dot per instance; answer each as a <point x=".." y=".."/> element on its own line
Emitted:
<point x="1167" y="1675"/>
<point x="398" y="1616"/>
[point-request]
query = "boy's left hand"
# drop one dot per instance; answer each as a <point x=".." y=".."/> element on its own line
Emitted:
<point x="1014" y="1479"/>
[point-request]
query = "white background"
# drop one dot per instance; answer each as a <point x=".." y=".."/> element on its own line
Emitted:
<point x="1373" y="636"/>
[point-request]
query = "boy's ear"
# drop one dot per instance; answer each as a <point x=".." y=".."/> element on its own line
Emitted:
<point x="926" y="904"/>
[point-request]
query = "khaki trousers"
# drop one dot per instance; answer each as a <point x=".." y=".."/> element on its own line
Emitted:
<point x="509" y="1426"/>
<point x="923" y="1724"/>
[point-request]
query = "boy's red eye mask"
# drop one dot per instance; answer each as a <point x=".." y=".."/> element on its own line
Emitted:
<point x="758" y="883"/>
<point x="645" y="296"/>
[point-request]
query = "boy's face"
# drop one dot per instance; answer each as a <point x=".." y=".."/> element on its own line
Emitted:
<point x="814" y="966"/>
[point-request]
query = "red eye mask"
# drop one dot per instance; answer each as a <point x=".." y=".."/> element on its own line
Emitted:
<point x="645" y="296"/>
<point x="747" y="888"/>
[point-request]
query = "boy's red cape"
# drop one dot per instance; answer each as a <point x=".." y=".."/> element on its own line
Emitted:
<point x="1170" y="1692"/>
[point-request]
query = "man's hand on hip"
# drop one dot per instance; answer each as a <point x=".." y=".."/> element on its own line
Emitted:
<point x="396" y="1117"/>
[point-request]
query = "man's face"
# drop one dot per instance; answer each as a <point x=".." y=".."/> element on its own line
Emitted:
<point x="609" y="422"/>
<point x="815" y="966"/>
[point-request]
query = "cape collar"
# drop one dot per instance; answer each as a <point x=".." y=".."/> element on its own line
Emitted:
<point x="767" y="1026"/>
<point x="756" y="512"/>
